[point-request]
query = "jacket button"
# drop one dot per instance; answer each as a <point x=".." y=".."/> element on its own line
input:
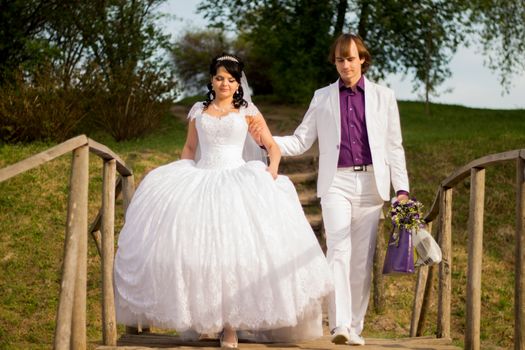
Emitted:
<point x="337" y="146"/>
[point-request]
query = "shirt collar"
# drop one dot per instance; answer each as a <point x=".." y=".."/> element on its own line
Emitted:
<point x="360" y="84"/>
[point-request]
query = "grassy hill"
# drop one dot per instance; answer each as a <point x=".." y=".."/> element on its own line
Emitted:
<point x="33" y="213"/>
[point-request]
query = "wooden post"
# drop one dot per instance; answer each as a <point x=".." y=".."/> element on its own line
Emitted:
<point x="419" y="296"/>
<point x="475" y="254"/>
<point x="76" y="230"/>
<point x="379" y="257"/>
<point x="426" y="301"/>
<point x="128" y="189"/>
<point x="519" y="293"/>
<point x="107" y="229"/>
<point x="421" y="282"/>
<point x="78" y="335"/>
<point x="445" y="268"/>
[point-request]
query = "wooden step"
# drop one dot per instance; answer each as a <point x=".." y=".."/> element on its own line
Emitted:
<point x="308" y="197"/>
<point x="144" y="342"/>
<point x="299" y="164"/>
<point x="304" y="158"/>
<point x="299" y="178"/>
<point x="315" y="220"/>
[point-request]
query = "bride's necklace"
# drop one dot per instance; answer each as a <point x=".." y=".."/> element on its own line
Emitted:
<point x="220" y="109"/>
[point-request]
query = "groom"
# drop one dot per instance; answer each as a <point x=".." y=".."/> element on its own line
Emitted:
<point x="360" y="154"/>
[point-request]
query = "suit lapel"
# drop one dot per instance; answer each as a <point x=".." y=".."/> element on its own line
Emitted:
<point x="335" y="106"/>
<point x="370" y="117"/>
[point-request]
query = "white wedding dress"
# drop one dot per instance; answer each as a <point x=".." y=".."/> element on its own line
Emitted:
<point x="220" y="242"/>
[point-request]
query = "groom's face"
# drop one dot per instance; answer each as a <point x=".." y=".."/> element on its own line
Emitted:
<point x="348" y="63"/>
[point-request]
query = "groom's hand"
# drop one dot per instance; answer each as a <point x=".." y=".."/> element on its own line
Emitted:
<point x="402" y="196"/>
<point x="255" y="128"/>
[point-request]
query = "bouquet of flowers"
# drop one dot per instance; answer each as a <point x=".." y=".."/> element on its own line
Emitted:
<point x="407" y="217"/>
<point x="407" y="214"/>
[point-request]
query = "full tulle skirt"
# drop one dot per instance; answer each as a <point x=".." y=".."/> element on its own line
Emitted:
<point x="205" y="248"/>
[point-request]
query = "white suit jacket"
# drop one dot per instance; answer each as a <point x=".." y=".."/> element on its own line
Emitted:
<point x="323" y="121"/>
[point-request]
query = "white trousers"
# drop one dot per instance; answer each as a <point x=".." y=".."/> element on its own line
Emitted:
<point x="351" y="211"/>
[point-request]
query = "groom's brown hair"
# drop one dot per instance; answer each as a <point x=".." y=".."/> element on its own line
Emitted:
<point x="343" y="43"/>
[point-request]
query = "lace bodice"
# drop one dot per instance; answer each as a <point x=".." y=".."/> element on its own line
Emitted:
<point x="221" y="139"/>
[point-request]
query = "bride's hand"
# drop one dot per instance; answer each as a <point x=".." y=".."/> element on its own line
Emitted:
<point x="273" y="171"/>
<point x="255" y="128"/>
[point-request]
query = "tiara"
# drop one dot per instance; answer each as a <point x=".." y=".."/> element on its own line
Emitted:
<point x="227" y="58"/>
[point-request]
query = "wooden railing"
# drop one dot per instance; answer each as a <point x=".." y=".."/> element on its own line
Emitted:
<point x="441" y="211"/>
<point x="70" y="331"/>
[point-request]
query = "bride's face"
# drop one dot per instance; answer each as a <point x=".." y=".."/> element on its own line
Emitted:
<point x="224" y="84"/>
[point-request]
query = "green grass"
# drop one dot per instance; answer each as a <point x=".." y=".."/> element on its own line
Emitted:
<point x="435" y="146"/>
<point x="33" y="213"/>
<point x="33" y="209"/>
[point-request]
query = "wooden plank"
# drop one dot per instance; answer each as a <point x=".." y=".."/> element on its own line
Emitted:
<point x="128" y="189"/>
<point x="519" y="292"/>
<point x="97" y="237"/>
<point x="464" y="171"/>
<point x="78" y="328"/>
<point x="95" y="225"/>
<point x="445" y="267"/>
<point x="76" y="224"/>
<point x="475" y="254"/>
<point x="94" y="228"/>
<point x="144" y="342"/>
<point x="299" y="178"/>
<point x="105" y="153"/>
<point x="107" y="229"/>
<point x="426" y="301"/>
<point x="419" y="293"/>
<point x="42" y="157"/>
<point x="421" y="297"/>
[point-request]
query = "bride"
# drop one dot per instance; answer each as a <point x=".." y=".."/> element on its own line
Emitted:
<point x="215" y="243"/>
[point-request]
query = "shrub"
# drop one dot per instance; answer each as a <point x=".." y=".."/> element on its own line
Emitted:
<point x="131" y="104"/>
<point x="39" y="109"/>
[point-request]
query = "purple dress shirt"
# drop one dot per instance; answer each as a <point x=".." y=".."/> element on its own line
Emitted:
<point x="354" y="148"/>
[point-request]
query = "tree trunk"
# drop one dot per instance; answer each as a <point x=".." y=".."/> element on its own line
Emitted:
<point x="342" y="6"/>
<point x="363" y="19"/>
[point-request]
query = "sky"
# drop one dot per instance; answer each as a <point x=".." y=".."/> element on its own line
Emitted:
<point x="471" y="84"/>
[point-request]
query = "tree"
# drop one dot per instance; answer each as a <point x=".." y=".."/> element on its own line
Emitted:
<point x="192" y="54"/>
<point x="289" y="38"/>
<point x="417" y="37"/>
<point x="299" y="35"/>
<point x="501" y="28"/>
<point x="102" y="55"/>
<point x="134" y="86"/>
<point x="436" y="29"/>
<point x="21" y="23"/>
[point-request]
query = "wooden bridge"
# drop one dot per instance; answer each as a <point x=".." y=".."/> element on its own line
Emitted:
<point x="70" y="331"/>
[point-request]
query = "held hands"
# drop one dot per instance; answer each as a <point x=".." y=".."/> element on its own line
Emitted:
<point x="273" y="171"/>
<point x="255" y="127"/>
<point x="263" y="137"/>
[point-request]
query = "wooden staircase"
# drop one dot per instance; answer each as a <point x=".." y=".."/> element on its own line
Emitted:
<point x="302" y="171"/>
<point x="70" y="330"/>
<point x="150" y="340"/>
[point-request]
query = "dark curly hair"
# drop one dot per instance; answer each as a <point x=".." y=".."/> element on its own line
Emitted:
<point x="234" y="66"/>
